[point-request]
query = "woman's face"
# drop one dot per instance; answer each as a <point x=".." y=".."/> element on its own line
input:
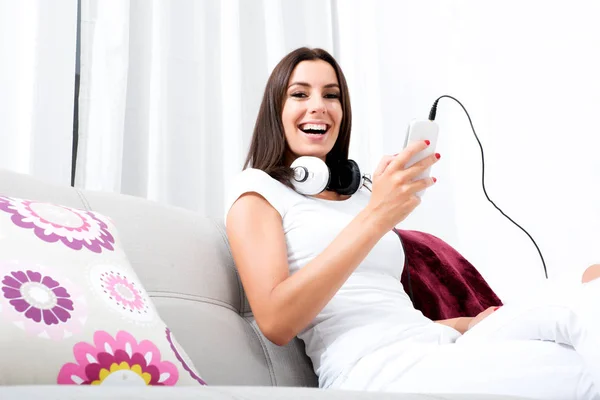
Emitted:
<point x="312" y="112"/>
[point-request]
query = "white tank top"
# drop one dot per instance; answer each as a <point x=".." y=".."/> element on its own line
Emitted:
<point x="371" y="309"/>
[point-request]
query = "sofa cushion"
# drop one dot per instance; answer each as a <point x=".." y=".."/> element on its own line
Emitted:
<point x="72" y="309"/>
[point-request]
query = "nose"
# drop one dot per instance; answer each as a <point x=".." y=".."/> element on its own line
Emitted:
<point x="317" y="105"/>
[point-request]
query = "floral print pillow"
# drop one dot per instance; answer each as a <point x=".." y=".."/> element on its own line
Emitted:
<point x="72" y="309"/>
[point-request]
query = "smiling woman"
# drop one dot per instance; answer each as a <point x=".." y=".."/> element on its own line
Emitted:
<point x="325" y="266"/>
<point x="312" y="112"/>
<point x="305" y="93"/>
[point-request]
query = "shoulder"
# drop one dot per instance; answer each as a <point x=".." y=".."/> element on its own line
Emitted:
<point x="252" y="180"/>
<point x="254" y="175"/>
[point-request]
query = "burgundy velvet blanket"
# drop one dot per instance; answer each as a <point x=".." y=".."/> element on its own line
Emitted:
<point x="444" y="284"/>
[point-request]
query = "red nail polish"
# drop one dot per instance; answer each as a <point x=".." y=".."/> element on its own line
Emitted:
<point x="495" y="308"/>
<point x="434" y="180"/>
<point x="437" y="155"/>
<point x="427" y="142"/>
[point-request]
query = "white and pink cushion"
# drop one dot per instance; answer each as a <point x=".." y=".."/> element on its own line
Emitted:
<point x="72" y="309"/>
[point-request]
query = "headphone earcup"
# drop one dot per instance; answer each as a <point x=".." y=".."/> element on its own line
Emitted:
<point x="346" y="178"/>
<point x="311" y="175"/>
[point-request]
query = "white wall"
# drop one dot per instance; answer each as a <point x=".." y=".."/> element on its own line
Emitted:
<point x="527" y="72"/>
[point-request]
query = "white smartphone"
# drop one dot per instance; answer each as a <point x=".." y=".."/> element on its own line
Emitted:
<point x="422" y="130"/>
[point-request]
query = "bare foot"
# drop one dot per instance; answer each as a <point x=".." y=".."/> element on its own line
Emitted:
<point x="592" y="272"/>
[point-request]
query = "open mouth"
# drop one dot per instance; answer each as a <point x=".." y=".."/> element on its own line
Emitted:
<point x="314" y="129"/>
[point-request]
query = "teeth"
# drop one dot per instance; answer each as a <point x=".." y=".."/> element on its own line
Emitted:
<point x="315" y="127"/>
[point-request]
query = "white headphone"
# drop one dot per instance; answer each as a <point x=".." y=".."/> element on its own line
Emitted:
<point x="312" y="176"/>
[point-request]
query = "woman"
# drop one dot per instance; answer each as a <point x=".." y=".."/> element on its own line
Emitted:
<point x="327" y="267"/>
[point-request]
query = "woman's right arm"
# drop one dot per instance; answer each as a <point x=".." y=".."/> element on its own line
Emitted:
<point x="284" y="305"/>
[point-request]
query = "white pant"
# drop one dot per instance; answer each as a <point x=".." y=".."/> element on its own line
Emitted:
<point x="545" y="347"/>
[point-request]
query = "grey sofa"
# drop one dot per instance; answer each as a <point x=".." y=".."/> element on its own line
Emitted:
<point x="184" y="262"/>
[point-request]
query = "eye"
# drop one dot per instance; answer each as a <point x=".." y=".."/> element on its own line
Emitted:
<point x="332" y="96"/>
<point x="298" y="95"/>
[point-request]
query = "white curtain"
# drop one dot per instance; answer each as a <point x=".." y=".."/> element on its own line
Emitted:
<point x="170" y="89"/>
<point x="37" y="80"/>
<point x="170" y="92"/>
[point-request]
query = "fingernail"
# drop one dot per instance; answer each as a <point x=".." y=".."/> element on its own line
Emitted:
<point x="437" y="155"/>
<point x="434" y="180"/>
<point x="427" y="142"/>
<point x="495" y="308"/>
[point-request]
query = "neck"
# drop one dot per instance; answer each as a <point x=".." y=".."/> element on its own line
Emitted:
<point x="330" y="195"/>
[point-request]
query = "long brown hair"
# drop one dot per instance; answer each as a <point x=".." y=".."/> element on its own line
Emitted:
<point x="268" y="146"/>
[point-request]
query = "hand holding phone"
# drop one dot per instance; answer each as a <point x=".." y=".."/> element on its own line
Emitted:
<point x="419" y="130"/>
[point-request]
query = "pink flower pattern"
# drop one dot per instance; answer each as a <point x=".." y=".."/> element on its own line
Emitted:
<point x="122" y="292"/>
<point x="37" y="300"/>
<point x="119" y="360"/>
<point x="54" y="223"/>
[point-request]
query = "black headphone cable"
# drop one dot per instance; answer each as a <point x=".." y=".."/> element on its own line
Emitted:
<point x="432" y="114"/>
